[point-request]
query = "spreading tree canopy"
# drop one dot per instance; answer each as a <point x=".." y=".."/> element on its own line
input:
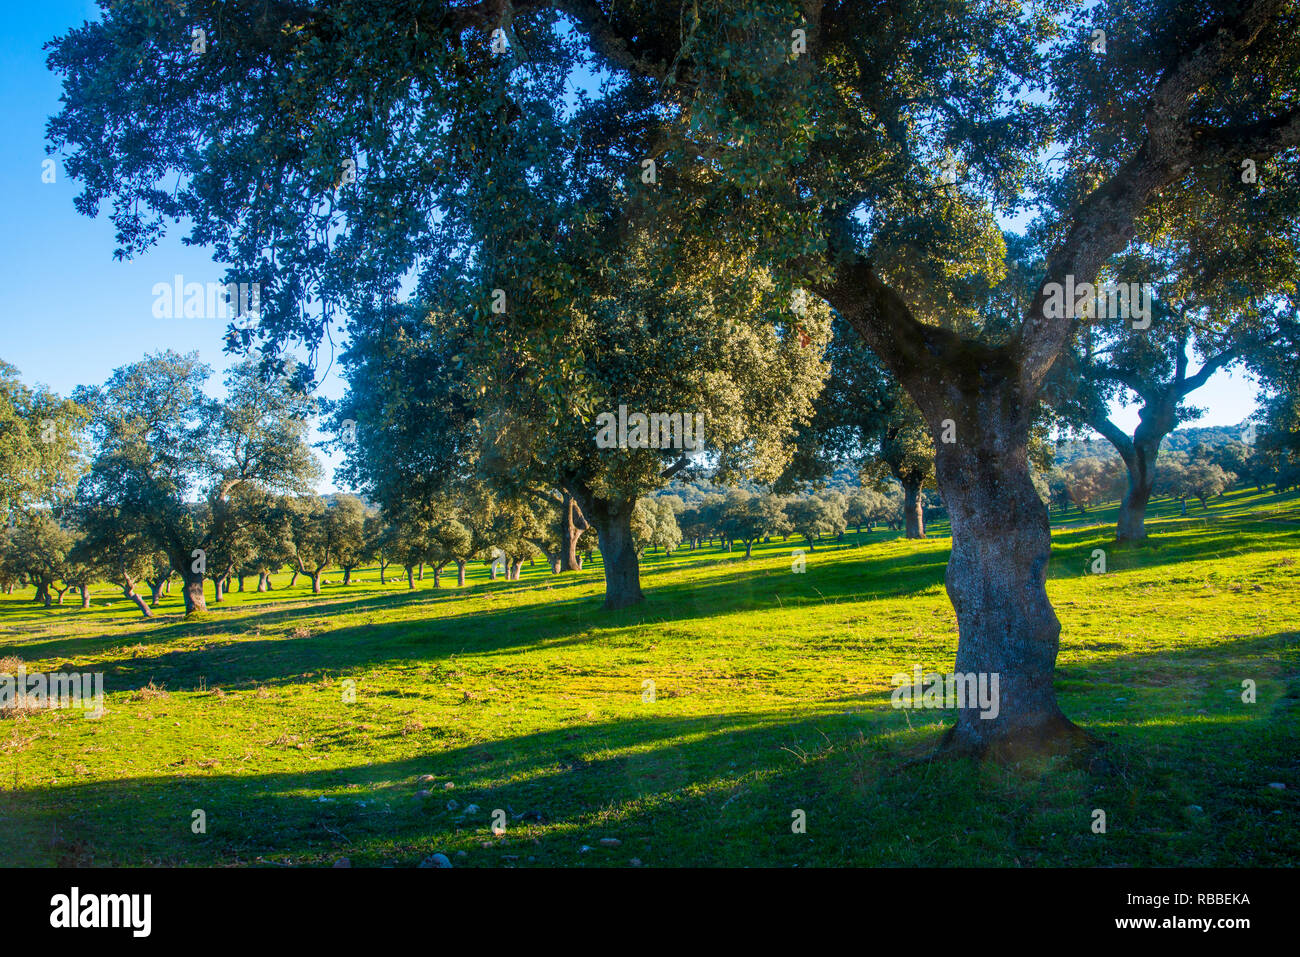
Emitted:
<point x="322" y="149"/>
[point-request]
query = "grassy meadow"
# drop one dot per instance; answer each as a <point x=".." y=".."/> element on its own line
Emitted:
<point x="771" y="695"/>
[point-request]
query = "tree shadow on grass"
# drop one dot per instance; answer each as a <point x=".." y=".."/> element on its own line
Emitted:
<point x="720" y="789"/>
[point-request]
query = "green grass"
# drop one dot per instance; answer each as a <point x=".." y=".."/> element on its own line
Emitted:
<point x="771" y="695"/>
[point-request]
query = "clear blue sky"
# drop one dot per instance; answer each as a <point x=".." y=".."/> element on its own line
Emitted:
<point x="75" y="313"/>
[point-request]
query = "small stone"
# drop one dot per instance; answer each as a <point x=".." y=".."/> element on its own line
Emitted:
<point x="1121" y="699"/>
<point x="462" y="853"/>
<point x="1195" y="809"/>
<point x="426" y="778"/>
<point x="448" y="786"/>
<point x="610" y="842"/>
<point x="635" y="862"/>
<point x="472" y="809"/>
<point x="423" y="794"/>
<point x="436" y="860"/>
<point x="584" y="849"/>
<point x="452" y="805"/>
<point x="343" y="862"/>
<point x="1277" y="785"/>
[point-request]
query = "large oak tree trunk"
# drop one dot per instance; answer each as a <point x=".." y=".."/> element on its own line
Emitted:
<point x="193" y="592"/>
<point x="1158" y="417"/>
<point x="460" y="573"/>
<point x="191" y="583"/>
<point x="1001" y="544"/>
<point x="1133" y="510"/>
<point x="613" y="521"/>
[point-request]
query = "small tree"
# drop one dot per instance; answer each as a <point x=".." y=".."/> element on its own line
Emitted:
<point x="654" y="525"/>
<point x="1093" y="480"/>
<point x="814" y="516"/>
<point x="746" y="518"/>
<point x="351" y="547"/>
<point x="42" y="547"/>
<point x="321" y="531"/>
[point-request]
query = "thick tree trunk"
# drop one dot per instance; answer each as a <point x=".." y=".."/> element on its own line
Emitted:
<point x="421" y="575"/>
<point x="410" y="577"/>
<point x="1001" y="543"/>
<point x="1139" y="453"/>
<point x="218" y="590"/>
<point x="1133" y="509"/>
<point x="749" y="548"/>
<point x="437" y="576"/>
<point x="262" y="581"/>
<point x="912" y="509"/>
<point x="85" y="596"/>
<point x="347" y="576"/>
<point x="516" y="569"/>
<point x="613" y="521"/>
<point x="460" y="573"/>
<point x="294" y="578"/>
<point x="383" y="568"/>
<point x="193" y="592"/>
<point x="241" y="581"/>
<point x="315" y="581"/>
